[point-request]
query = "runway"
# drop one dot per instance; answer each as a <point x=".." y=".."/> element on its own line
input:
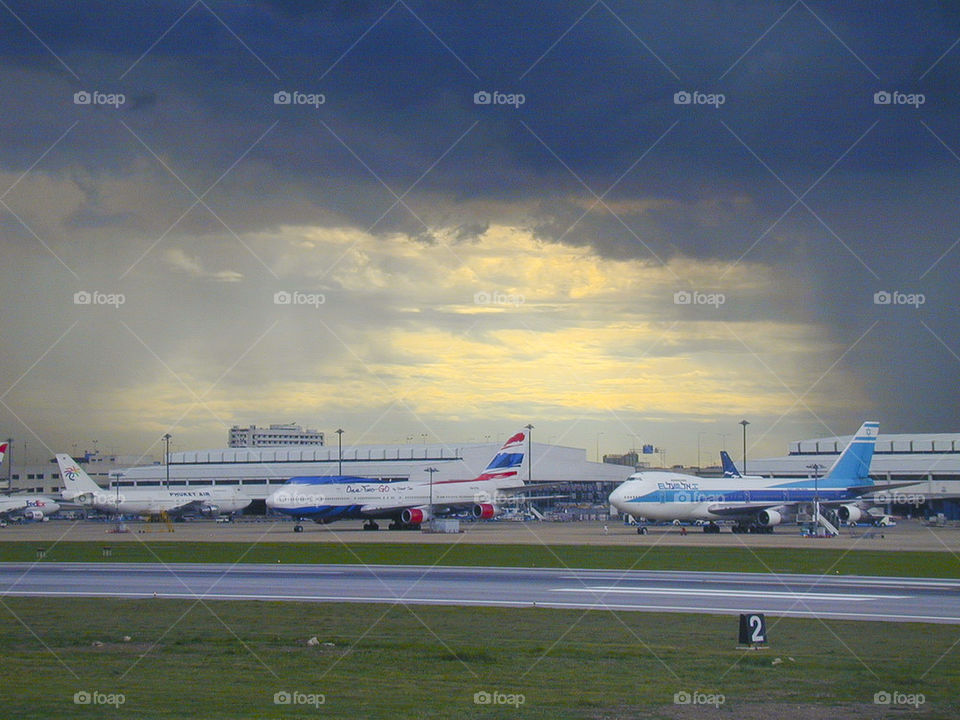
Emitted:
<point x="835" y="597"/>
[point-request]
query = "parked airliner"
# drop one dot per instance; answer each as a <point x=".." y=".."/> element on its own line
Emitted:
<point x="79" y="488"/>
<point x="28" y="507"/>
<point x="757" y="504"/>
<point x="406" y="503"/>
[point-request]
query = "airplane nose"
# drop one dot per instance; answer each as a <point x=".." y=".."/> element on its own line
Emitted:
<point x="616" y="497"/>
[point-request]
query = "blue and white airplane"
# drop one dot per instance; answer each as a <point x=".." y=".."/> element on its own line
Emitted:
<point x="757" y="504"/>
<point x="407" y="503"/>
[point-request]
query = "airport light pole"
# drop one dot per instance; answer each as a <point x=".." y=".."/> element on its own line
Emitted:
<point x="744" y="423"/>
<point x="723" y="440"/>
<point x="339" y="451"/>
<point x="816" y="467"/>
<point x="431" y="470"/>
<point x="166" y="456"/>
<point x="598" y="445"/>
<point x="117" y="494"/>
<point x="699" y="459"/>
<point x="529" y="427"/>
<point x="9" y="463"/>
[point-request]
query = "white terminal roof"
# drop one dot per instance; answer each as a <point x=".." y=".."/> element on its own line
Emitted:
<point x="910" y="442"/>
<point x="551" y="463"/>
<point x="913" y="455"/>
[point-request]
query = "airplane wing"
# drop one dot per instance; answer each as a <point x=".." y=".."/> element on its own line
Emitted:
<point x="745" y="508"/>
<point x="375" y="509"/>
<point x="867" y="489"/>
<point x="9" y="505"/>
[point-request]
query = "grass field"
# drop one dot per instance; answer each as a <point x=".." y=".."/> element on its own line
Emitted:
<point x="733" y="559"/>
<point x="227" y="660"/>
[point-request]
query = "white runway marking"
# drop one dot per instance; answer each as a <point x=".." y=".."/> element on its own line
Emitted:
<point x="600" y="606"/>
<point x="858" y="597"/>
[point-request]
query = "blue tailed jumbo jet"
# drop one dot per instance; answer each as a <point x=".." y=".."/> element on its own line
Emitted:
<point x="757" y="504"/>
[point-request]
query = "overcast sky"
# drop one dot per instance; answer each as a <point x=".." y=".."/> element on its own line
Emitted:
<point x="622" y="222"/>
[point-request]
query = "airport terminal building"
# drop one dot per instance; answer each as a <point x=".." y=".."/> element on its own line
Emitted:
<point x="931" y="460"/>
<point x="259" y="471"/>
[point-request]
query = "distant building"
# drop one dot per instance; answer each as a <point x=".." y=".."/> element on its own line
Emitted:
<point x="281" y="435"/>
<point x="630" y="459"/>
<point x="45" y="477"/>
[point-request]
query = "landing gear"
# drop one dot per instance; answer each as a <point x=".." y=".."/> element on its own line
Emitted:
<point x="642" y="530"/>
<point x="397" y="525"/>
<point x="298" y="528"/>
<point x="370" y="525"/>
<point x="753" y="529"/>
<point x="711" y="528"/>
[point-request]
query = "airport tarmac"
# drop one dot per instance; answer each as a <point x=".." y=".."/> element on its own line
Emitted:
<point x="906" y="535"/>
<point x="850" y="598"/>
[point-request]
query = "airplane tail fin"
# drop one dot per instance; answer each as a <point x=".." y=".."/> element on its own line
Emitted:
<point x="76" y="482"/>
<point x="729" y="469"/>
<point x="506" y="464"/>
<point x="853" y="466"/>
<point x="3" y="451"/>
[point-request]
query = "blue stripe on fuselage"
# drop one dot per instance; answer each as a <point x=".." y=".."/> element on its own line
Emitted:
<point x="324" y="512"/>
<point x="743" y="496"/>
<point x="335" y="480"/>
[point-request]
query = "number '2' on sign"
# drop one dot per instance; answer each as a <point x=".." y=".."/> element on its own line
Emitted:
<point x="753" y="629"/>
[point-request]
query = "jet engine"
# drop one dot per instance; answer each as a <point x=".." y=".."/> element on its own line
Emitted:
<point x="414" y="516"/>
<point x="484" y="511"/>
<point x="850" y="513"/>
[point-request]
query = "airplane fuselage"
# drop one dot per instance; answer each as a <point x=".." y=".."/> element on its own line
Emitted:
<point x="156" y="502"/>
<point x="30" y="506"/>
<point x="661" y="495"/>
<point x="333" y="498"/>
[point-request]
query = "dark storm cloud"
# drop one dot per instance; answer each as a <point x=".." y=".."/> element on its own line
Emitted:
<point x="877" y="182"/>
